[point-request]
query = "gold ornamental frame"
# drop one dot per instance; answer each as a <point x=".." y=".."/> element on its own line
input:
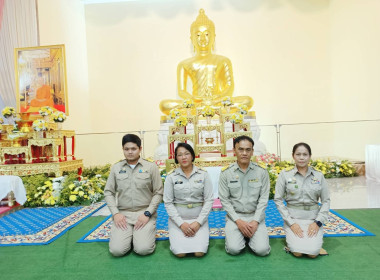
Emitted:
<point x="41" y="78"/>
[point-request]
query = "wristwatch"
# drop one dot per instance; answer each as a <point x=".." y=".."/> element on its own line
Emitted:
<point x="318" y="223"/>
<point x="148" y="214"/>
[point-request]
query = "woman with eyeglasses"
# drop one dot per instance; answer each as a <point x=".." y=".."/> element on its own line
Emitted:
<point x="302" y="188"/>
<point x="188" y="198"/>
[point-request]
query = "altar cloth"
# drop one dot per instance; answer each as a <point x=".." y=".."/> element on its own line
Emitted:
<point x="12" y="183"/>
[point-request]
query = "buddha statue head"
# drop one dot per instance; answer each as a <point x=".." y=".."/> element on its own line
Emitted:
<point x="202" y="33"/>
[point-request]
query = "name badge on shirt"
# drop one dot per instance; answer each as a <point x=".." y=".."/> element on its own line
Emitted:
<point x="315" y="181"/>
<point x="178" y="182"/>
<point x="233" y="181"/>
<point x="292" y="181"/>
<point x="122" y="171"/>
<point x="255" y="180"/>
<point x="198" y="181"/>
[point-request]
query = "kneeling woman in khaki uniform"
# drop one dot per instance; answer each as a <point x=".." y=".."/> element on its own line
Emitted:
<point x="188" y="197"/>
<point x="302" y="187"/>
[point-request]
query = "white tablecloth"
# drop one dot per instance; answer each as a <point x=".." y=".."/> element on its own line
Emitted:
<point x="372" y="162"/>
<point x="12" y="183"/>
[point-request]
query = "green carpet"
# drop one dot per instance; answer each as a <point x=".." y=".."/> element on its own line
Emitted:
<point x="350" y="258"/>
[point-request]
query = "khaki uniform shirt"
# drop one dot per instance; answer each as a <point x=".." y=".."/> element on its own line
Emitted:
<point x="136" y="189"/>
<point x="182" y="190"/>
<point x="298" y="190"/>
<point x="246" y="192"/>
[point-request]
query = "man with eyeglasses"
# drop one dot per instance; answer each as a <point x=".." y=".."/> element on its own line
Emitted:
<point x="244" y="193"/>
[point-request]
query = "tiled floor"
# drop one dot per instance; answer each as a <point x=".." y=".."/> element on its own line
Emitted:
<point x="354" y="193"/>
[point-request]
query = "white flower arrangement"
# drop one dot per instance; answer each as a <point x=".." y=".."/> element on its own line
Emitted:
<point x="46" y="111"/>
<point x="226" y="101"/>
<point x="188" y="103"/>
<point x="208" y="111"/>
<point x="243" y="109"/>
<point x="39" y="125"/>
<point x="59" y="116"/>
<point x="237" y="118"/>
<point x="174" y="113"/>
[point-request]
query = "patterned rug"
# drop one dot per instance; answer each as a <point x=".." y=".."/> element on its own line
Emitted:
<point x="40" y="226"/>
<point x="337" y="225"/>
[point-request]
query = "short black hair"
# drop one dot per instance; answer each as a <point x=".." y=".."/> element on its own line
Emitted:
<point x="131" y="138"/>
<point x="187" y="147"/>
<point x="295" y="147"/>
<point x="241" y="138"/>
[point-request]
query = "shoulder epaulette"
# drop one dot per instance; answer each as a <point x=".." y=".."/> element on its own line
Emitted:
<point x="225" y="167"/>
<point x="148" y="159"/>
<point x="201" y="168"/>
<point x="170" y="172"/>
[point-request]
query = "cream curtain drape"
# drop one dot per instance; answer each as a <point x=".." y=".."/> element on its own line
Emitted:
<point x="18" y="29"/>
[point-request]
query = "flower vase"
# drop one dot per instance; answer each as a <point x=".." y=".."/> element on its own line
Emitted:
<point x="59" y="125"/>
<point x="237" y="127"/>
<point x="188" y="110"/>
<point x="228" y="109"/>
<point x="10" y="120"/>
<point x="40" y="134"/>
<point x="47" y="118"/>
<point x="208" y="119"/>
<point x="181" y="130"/>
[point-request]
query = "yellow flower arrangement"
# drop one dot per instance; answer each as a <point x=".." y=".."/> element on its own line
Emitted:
<point x="243" y="109"/>
<point x="39" y="125"/>
<point x="174" y="113"/>
<point x="188" y="103"/>
<point x="46" y="111"/>
<point x="8" y="112"/>
<point x="208" y="111"/>
<point x="59" y="116"/>
<point x="181" y="121"/>
<point x="45" y="194"/>
<point x="236" y="118"/>
<point x="226" y="101"/>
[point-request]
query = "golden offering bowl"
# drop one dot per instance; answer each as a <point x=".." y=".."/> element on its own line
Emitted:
<point x="209" y="140"/>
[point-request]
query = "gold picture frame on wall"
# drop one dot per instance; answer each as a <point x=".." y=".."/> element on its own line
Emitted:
<point x="41" y="78"/>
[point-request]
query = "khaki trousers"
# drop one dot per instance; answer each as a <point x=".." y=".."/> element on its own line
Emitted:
<point x="143" y="240"/>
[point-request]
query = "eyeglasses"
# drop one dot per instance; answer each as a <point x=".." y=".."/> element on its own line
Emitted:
<point x="184" y="155"/>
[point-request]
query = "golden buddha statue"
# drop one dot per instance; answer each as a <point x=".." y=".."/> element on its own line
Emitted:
<point x="211" y="75"/>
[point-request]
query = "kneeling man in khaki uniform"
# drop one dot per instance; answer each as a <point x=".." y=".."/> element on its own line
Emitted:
<point x="133" y="192"/>
<point x="244" y="193"/>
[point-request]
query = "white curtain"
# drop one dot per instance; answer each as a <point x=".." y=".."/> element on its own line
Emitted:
<point x="18" y="29"/>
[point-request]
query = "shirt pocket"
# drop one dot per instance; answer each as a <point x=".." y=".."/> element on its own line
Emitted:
<point x="121" y="180"/>
<point x="292" y="190"/>
<point x="254" y="189"/>
<point x="235" y="189"/>
<point x="315" y="188"/>
<point x="180" y="191"/>
<point x="143" y="180"/>
<point x="198" y="189"/>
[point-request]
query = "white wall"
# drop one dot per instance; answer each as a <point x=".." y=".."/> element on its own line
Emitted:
<point x="63" y="22"/>
<point x="355" y="72"/>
